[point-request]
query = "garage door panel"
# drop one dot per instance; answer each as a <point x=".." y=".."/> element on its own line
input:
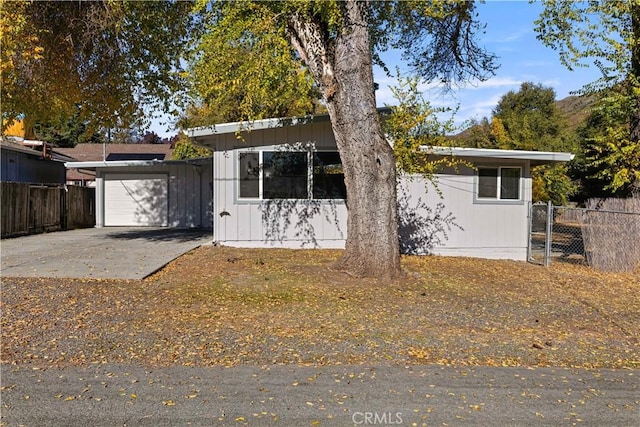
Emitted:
<point x="136" y="200"/>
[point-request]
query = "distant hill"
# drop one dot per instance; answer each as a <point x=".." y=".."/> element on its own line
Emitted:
<point x="575" y="109"/>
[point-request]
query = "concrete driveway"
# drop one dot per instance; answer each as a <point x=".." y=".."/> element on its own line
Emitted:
<point x="104" y="253"/>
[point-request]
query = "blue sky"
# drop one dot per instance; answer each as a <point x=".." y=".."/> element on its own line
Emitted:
<point x="510" y="35"/>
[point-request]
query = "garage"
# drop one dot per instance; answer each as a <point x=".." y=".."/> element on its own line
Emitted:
<point x="136" y="200"/>
<point x="152" y="193"/>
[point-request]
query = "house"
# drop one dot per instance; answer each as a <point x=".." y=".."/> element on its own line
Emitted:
<point x="151" y="192"/>
<point x="21" y="163"/>
<point x="279" y="183"/>
<point x="35" y="198"/>
<point x="108" y="152"/>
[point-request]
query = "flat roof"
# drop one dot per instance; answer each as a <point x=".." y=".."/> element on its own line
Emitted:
<point x="541" y="156"/>
<point x="536" y="157"/>
<point x="234" y="127"/>
<point x="253" y="125"/>
<point x="134" y="163"/>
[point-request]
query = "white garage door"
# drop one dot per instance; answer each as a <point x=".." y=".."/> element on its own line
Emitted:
<point x="135" y="200"/>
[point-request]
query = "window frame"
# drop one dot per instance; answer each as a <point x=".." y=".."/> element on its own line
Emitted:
<point x="498" y="197"/>
<point x="260" y="152"/>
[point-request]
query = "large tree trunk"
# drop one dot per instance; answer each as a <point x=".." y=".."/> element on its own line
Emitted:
<point x="343" y="70"/>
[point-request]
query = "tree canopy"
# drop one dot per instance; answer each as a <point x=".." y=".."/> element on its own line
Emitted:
<point x="250" y="65"/>
<point x="608" y="34"/>
<point x="412" y="125"/>
<point x="610" y="162"/>
<point x="107" y="63"/>
<point x="531" y="120"/>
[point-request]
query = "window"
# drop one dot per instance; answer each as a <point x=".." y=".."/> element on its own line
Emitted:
<point x="328" y="176"/>
<point x="284" y="175"/>
<point x="487" y="183"/>
<point x="510" y="183"/>
<point x="501" y="183"/>
<point x="249" y="175"/>
<point x="288" y="175"/>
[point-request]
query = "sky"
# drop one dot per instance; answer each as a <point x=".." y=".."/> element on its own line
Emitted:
<point x="510" y="35"/>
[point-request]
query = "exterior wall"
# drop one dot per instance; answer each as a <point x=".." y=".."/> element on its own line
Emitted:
<point x="22" y="167"/>
<point x="273" y="223"/>
<point x="454" y="224"/>
<point x="189" y="192"/>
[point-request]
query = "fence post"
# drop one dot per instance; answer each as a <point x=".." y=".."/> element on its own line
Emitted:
<point x="548" y="235"/>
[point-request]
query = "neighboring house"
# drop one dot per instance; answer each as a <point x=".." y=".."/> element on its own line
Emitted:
<point x="35" y="198"/>
<point x="21" y="163"/>
<point x="110" y="152"/>
<point x="281" y="185"/>
<point x="158" y="193"/>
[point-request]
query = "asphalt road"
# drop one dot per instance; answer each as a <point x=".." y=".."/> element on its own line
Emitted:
<point x="122" y="395"/>
<point x="98" y="253"/>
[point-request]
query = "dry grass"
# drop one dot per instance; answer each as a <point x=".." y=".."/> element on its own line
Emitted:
<point x="223" y="306"/>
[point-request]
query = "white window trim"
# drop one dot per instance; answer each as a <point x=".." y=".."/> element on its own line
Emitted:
<point x="498" y="199"/>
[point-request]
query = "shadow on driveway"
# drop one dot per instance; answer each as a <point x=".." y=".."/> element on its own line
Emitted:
<point x="161" y="234"/>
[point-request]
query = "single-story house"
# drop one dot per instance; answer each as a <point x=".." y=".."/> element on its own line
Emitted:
<point x="22" y="163"/>
<point x="279" y="183"/>
<point x="87" y="152"/>
<point x="151" y="193"/>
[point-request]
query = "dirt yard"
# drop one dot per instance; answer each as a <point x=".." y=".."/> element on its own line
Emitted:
<point x="223" y="306"/>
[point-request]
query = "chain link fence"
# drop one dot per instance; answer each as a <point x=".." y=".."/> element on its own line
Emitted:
<point x="604" y="236"/>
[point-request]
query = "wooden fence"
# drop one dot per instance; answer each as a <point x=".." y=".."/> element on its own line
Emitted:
<point x="29" y="209"/>
<point x="81" y="207"/>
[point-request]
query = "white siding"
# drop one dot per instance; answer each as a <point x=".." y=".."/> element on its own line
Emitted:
<point x="274" y="223"/>
<point x="464" y="228"/>
<point x="487" y="230"/>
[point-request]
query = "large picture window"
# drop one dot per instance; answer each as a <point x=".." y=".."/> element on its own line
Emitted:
<point x="284" y="175"/>
<point x="290" y="175"/>
<point x="499" y="183"/>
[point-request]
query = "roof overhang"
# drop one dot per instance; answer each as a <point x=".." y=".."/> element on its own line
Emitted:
<point x="536" y="157"/>
<point x="255" y="125"/>
<point x="135" y="163"/>
<point x="207" y="136"/>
